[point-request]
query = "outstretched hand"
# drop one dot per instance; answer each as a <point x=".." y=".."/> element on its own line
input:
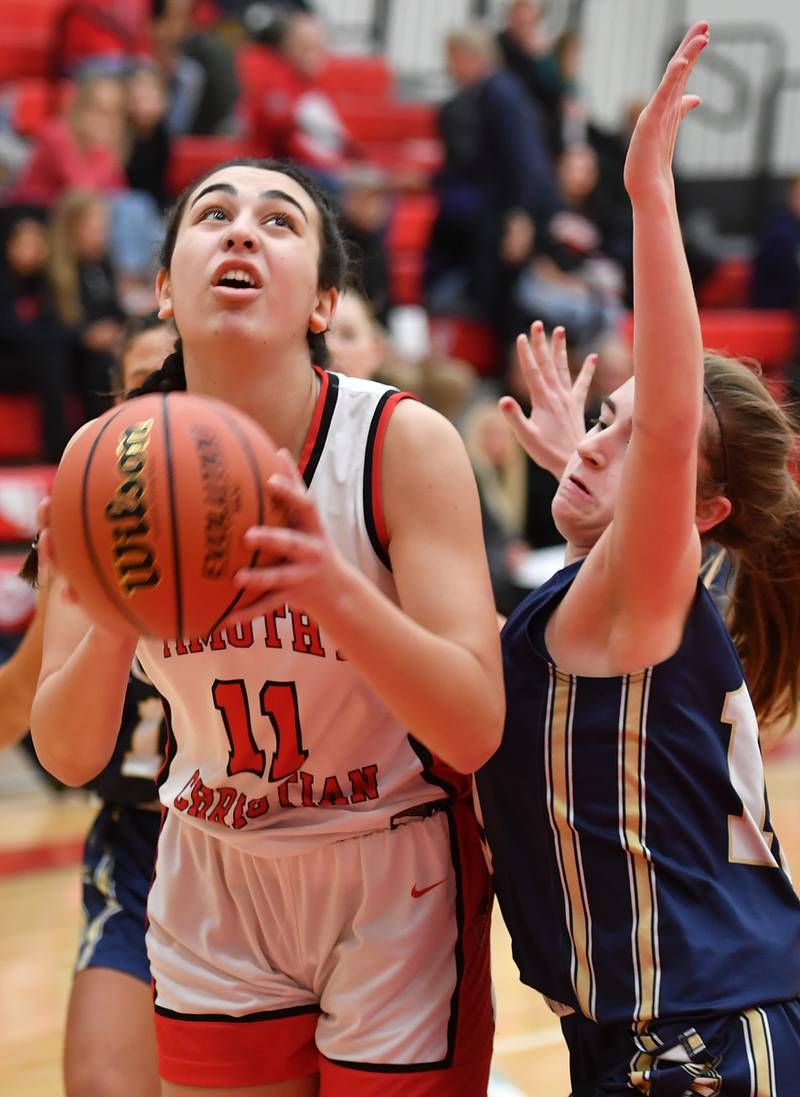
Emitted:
<point x="555" y="425"/>
<point x="652" y="145"/>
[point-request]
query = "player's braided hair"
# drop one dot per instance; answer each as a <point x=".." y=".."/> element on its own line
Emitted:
<point x="170" y="378"/>
<point x="747" y="445"/>
<point x="331" y="272"/>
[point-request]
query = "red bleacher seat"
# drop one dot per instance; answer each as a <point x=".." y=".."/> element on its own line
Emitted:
<point x="17" y="599"/>
<point x="369" y="77"/>
<point x="411" y="222"/>
<point x="455" y="337"/>
<point x="191" y="156"/>
<point x="405" y="276"/>
<point x="769" y="336"/>
<point x="21" y="491"/>
<point x="27" y="37"/>
<point x="20" y="428"/>
<point x="728" y="286"/>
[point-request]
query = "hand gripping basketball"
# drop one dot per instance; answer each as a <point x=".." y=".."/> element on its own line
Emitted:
<point x="149" y="509"/>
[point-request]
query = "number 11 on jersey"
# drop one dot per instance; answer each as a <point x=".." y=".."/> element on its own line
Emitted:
<point x="278" y="703"/>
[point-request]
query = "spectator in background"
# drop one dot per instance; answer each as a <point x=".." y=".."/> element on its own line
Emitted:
<point x="364" y="212"/>
<point x="495" y="187"/>
<point x="184" y="77"/>
<point x="355" y="340"/>
<point x="34" y="354"/>
<point x="776" y="265"/>
<point x="149" y="140"/>
<point x="85" y="150"/>
<point x="289" y="116"/>
<point x="93" y="37"/>
<point x="545" y="69"/>
<point x="85" y="293"/>
<point x="575" y="278"/>
<point x="500" y="472"/>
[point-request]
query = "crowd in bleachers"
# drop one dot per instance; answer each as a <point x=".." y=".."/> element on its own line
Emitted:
<point x="467" y="220"/>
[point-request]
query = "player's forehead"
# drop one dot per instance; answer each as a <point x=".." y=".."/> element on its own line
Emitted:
<point x="621" y="400"/>
<point x="248" y="184"/>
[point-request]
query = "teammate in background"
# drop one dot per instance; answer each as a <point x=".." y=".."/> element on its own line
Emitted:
<point x="110" y="1048"/>
<point x="626" y="813"/>
<point x="355" y="340"/>
<point x="319" y="873"/>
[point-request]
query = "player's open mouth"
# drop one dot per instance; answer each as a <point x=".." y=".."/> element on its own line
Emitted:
<point x="579" y="484"/>
<point x="237" y="276"/>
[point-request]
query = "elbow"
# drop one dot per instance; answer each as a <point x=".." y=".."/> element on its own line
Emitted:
<point x="480" y="742"/>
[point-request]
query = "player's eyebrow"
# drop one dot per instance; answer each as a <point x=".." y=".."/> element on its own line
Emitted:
<point x="229" y="188"/>
<point x="226" y="188"/>
<point x="285" y="197"/>
<point x="612" y="407"/>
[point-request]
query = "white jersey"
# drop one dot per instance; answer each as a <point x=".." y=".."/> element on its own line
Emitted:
<point x="277" y="744"/>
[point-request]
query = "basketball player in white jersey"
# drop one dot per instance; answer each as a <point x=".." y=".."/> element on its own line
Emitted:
<point x="319" y="914"/>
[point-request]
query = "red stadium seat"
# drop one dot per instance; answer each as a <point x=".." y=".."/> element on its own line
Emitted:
<point x="191" y="156"/>
<point x="405" y="275"/>
<point x="455" y="337"/>
<point x="21" y="491"/>
<point x="369" y="77"/>
<point x="17" y="599"/>
<point x="728" y="286"/>
<point x="411" y="222"/>
<point x="766" y="335"/>
<point x="20" y="428"/>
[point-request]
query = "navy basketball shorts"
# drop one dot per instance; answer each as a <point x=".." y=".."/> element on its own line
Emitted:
<point x="365" y="961"/>
<point x="755" y="1053"/>
<point x="118" y="861"/>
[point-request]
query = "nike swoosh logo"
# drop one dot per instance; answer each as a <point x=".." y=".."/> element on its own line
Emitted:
<point x="416" y="892"/>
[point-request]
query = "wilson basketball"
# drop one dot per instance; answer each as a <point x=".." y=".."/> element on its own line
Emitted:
<point x="149" y="506"/>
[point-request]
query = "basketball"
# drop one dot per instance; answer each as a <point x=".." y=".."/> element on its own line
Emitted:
<point x="149" y="506"/>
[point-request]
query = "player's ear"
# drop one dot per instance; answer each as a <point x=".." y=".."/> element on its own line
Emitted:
<point x="164" y="295"/>
<point x="710" y="512"/>
<point x="322" y="314"/>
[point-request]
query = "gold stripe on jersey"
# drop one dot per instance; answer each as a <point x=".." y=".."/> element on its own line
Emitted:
<point x="758" y="1044"/>
<point x="633" y="829"/>
<point x="558" y="768"/>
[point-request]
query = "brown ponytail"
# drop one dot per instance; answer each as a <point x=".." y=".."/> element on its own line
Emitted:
<point x="747" y="456"/>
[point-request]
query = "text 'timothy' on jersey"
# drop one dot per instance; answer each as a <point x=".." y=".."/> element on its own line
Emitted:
<point x="635" y="860"/>
<point x="277" y="743"/>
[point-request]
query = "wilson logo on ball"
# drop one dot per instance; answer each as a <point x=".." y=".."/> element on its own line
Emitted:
<point x="134" y="559"/>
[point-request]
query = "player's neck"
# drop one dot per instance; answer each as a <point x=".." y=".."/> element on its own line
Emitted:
<point x="277" y="391"/>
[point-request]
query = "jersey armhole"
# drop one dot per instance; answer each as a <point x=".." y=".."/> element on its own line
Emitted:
<point x="374" y="517"/>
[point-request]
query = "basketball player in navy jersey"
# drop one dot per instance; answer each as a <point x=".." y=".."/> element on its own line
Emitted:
<point x="110" y="1047"/>
<point x="635" y="859"/>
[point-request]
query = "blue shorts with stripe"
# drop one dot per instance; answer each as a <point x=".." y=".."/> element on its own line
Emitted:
<point x="117" y="870"/>
<point x="755" y="1052"/>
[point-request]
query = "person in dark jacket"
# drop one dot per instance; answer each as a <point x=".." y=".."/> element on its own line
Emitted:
<point x="495" y="186"/>
<point x="33" y="343"/>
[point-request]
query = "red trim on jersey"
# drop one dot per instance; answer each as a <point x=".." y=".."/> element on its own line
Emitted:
<point x="316" y="419"/>
<point x="222" y="1054"/>
<point x="465" y="1073"/>
<point x="378" y="516"/>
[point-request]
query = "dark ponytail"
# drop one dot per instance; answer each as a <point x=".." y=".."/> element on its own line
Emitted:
<point x="170" y="378"/>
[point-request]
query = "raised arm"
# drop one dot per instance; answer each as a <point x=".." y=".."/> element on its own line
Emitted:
<point x="435" y="659"/>
<point x="642" y="573"/>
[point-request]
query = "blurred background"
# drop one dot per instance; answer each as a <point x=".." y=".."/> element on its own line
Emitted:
<point x="474" y="149"/>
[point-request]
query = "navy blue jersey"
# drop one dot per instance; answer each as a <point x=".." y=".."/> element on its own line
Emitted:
<point x="130" y="776"/>
<point x="635" y="861"/>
